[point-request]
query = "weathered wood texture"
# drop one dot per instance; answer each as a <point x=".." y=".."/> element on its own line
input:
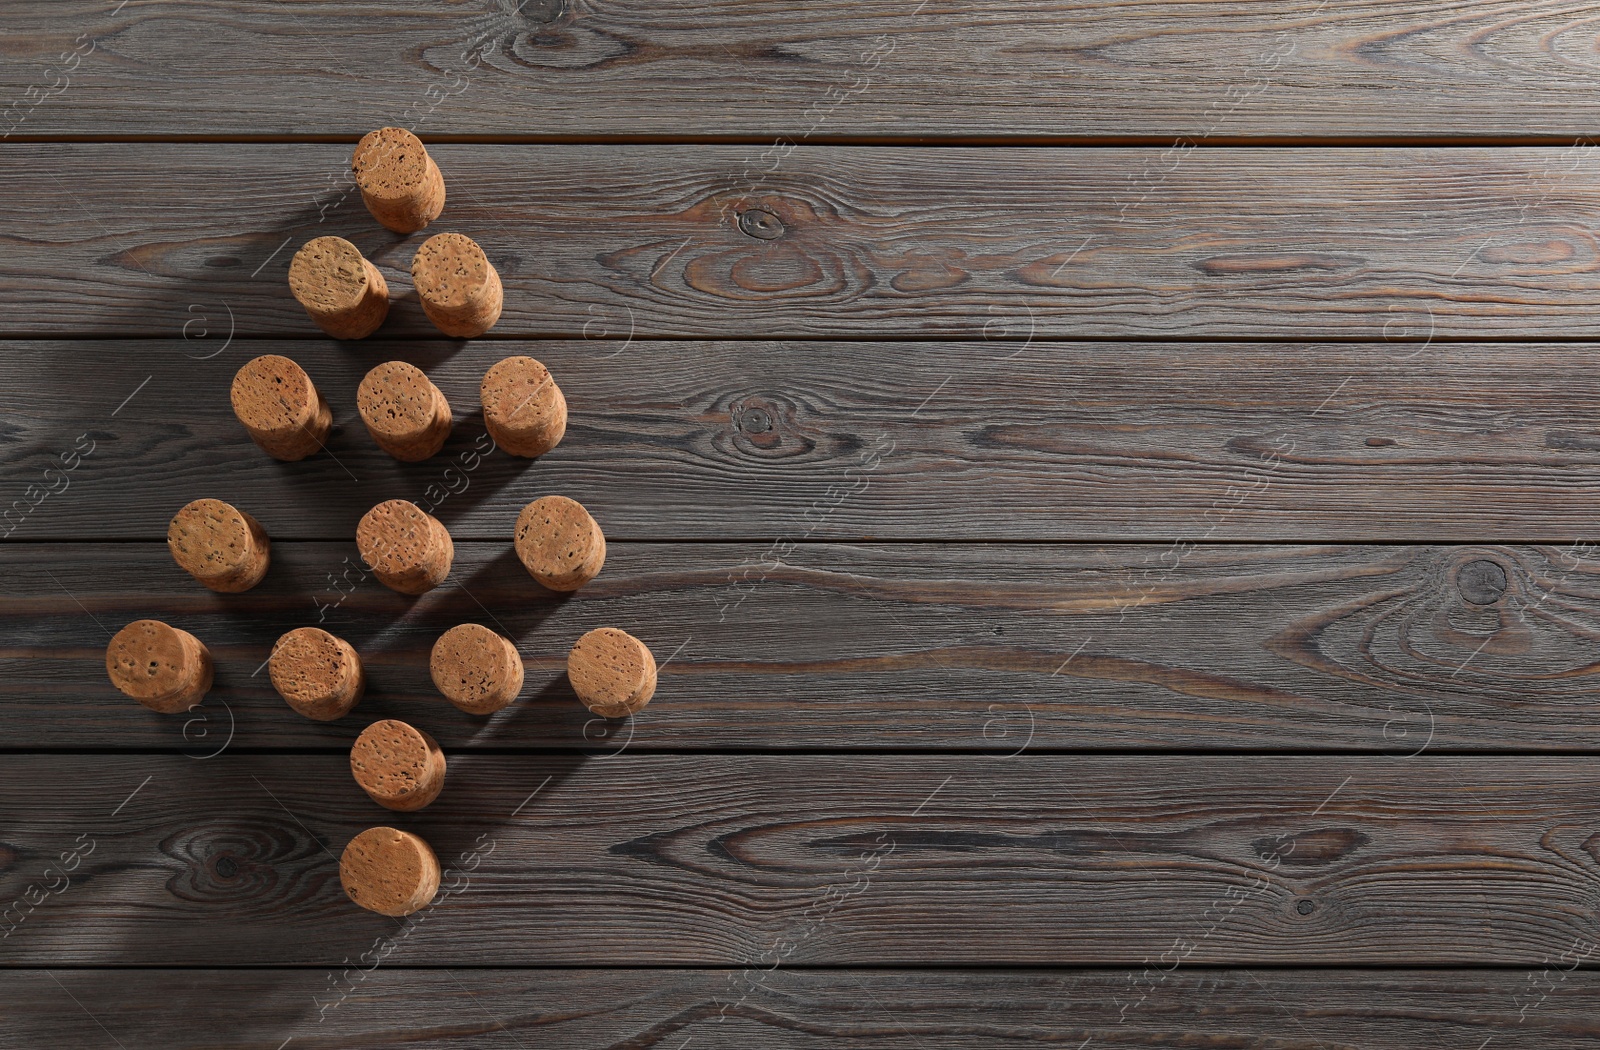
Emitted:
<point x="816" y="1010"/>
<point x="957" y="441"/>
<point x="1365" y="243"/>
<point x="888" y="68"/>
<point x="845" y="860"/>
<point x="927" y="646"/>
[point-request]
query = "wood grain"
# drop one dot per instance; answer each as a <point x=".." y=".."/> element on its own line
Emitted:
<point x="882" y="68"/>
<point x="748" y="861"/>
<point x="760" y="441"/>
<point x="1377" y="244"/>
<point x="925" y="646"/>
<point x="815" y="1010"/>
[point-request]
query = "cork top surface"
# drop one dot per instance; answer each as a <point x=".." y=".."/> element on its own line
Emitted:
<point x="450" y="270"/>
<point x="472" y="665"/>
<point x="272" y="393"/>
<point x="307" y="665"/>
<point x="328" y="275"/>
<point x="209" y="539"/>
<point x="389" y="163"/>
<point x="389" y="871"/>
<point x="519" y="393"/>
<point x="556" y="536"/>
<point x="609" y="669"/>
<point x="391" y="758"/>
<point x="395" y="535"/>
<point x="396" y="399"/>
<point x="146" y="660"/>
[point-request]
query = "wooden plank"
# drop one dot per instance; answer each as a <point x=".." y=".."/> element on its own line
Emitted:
<point x="926" y="646"/>
<point x="956" y="441"/>
<point x="699" y="860"/>
<point x="1377" y="244"/>
<point x="882" y="68"/>
<point x="816" y="1010"/>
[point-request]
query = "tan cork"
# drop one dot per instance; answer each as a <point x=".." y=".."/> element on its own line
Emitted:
<point x="613" y="673"/>
<point x="406" y="548"/>
<point x="163" y="668"/>
<point x="277" y="403"/>
<point x="560" y="545"/>
<point x="399" y="182"/>
<point x="343" y="292"/>
<point x="460" y="292"/>
<point x="400" y="766"/>
<point x="523" y="408"/>
<point x="389" y="871"/>
<point x="219" y="545"/>
<point x="404" y="412"/>
<point x="318" y="675"/>
<point x="476" y="669"/>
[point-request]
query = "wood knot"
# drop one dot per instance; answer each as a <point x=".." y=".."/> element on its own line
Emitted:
<point x="541" y="12"/>
<point x="762" y="425"/>
<point x="1481" y="582"/>
<point x="762" y="225"/>
<point x="1305" y="907"/>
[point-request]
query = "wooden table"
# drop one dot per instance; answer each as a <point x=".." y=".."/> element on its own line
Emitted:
<point x="1110" y="486"/>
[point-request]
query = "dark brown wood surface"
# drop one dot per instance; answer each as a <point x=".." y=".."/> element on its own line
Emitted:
<point x="730" y="860"/>
<point x="1023" y="69"/>
<point x="788" y="1009"/>
<point x="1404" y="245"/>
<point x="819" y="440"/>
<point x="863" y="647"/>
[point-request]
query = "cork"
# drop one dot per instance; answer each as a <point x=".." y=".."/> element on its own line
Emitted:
<point x="404" y="412"/>
<point x="406" y="548"/>
<point x="476" y="669"/>
<point x="343" y="292"/>
<point x="612" y="672"/>
<point x="318" y="675"/>
<point x="163" y="668"/>
<point x="459" y="290"/>
<point x="523" y="408"/>
<point x="399" y="182"/>
<point x="277" y="403"/>
<point x="559" y="544"/>
<point x="389" y="871"/>
<point x="400" y="766"/>
<point x="221" y="546"/>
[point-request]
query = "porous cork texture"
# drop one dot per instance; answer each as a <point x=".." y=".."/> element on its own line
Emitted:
<point x="460" y="292"/>
<point x="389" y="871"/>
<point x="398" y="765"/>
<point x="400" y="183"/>
<point x="277" y="403"/>
<point x="342" y="292"/>
<point x="404" y="412"/>
<point x="613" y="673"/>
<point x="559" y="543"/>
<point x="476" y="669"/>
<point x="221" y="546"/>
<point x="162" y="667"/>
<point x="406" y="548"/>
<point x="317" y="674"/>
<point x="523" y="408"/>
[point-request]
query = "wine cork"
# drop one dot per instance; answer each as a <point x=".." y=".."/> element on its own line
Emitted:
<point x="559" y="544"/>
<point x="476" y="669"/>
<point x="523" y="408"/>
<point x="400" y="183"/>
<point x="389" y="871"/>
<point x="344" y="293"/>
<point x="459" y="290"/>
<point x="612" y="672"/>
<point x="163" y="668"/>
<point x="404" y="412"/>
<point x="406" y="548"/>
<point x="400" y="766"/>
<point x="221" y="546"/>
<point x="277" y="403"/>
<point x="318" y="675"/>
